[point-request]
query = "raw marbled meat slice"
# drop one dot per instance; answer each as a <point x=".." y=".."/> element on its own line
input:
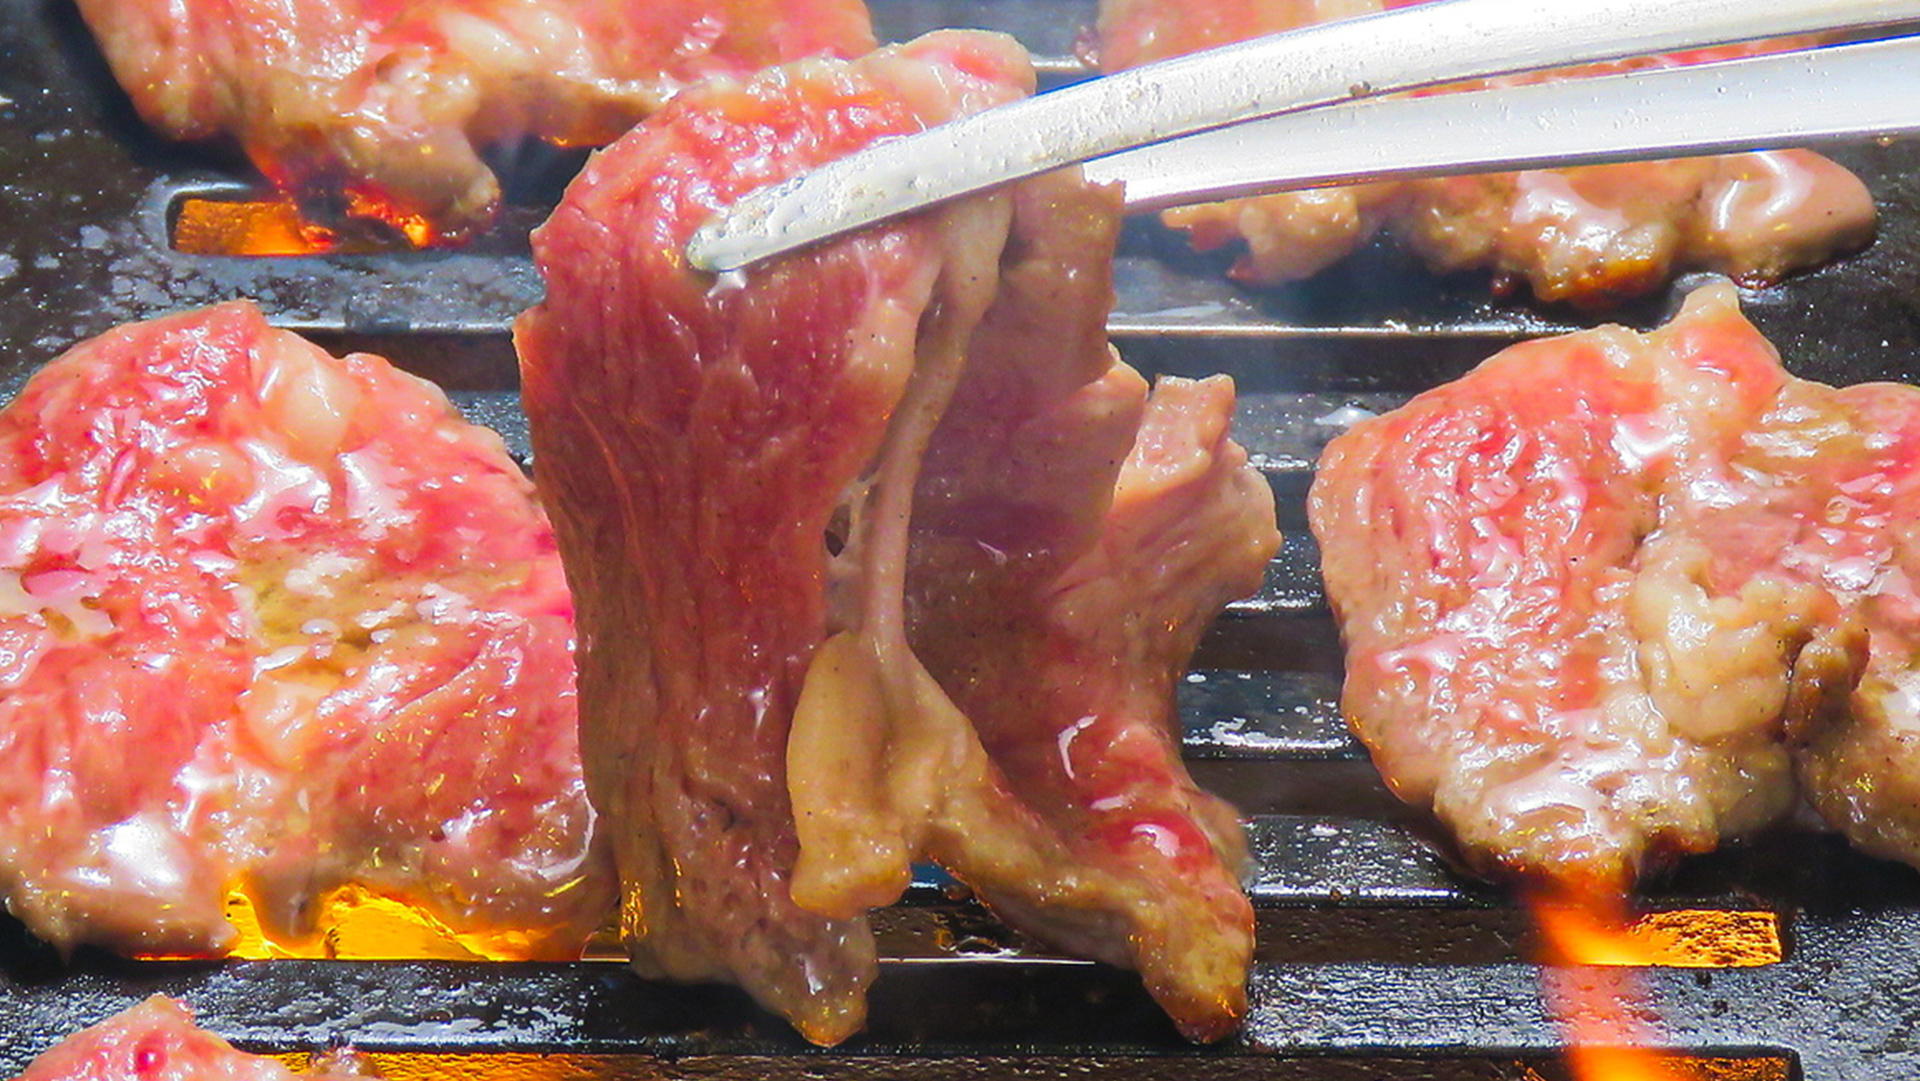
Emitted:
<point x="1613" y="580"/>
<point x="802" y="417"/>
<point x="1569" y="625"/>
<point x="156" y="1040"/>
<point x="278" y="622"/>
<point x="1054" y="599"/>
<point x="1848" y="513"/>
<point x="1069" y="679"/>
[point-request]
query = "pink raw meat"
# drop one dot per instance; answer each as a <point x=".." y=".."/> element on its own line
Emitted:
<point x="1613" y="596"/>
<point x="275" y="621"/>
<point x="156" y="1040"/>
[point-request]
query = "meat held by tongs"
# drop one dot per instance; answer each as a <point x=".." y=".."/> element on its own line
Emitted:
<point x="881" y="555"/>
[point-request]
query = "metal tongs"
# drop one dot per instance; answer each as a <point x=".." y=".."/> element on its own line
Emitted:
<point x="1302" y="109"/>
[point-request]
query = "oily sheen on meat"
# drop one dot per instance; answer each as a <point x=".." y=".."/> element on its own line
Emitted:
<point x="1590" y="236"/>
<point x="278" y="622"/>
<point x="881" y="556"/>
<point x="156" y="1040"/>
<point x="1612" y="596"/>
<point x="378" y="109"/>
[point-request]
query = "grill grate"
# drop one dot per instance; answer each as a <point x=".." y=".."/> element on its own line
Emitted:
<point x="1376" y="959"/>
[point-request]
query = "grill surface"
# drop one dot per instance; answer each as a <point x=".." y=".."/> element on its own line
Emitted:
<point x="1376" y="959"/>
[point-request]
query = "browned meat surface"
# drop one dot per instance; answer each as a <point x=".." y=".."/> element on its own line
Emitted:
<point x="380" y="109"/>
<point x="1589" y="236"/>
<point x="1537" y="644"/>
<point x="1854" y="458"/>
<point x="277" y="622"/>
<point x="1068" y="677"/>
<point x="156" y="1040"/>
<point x="774" y="492"/>
<point x="1600" y="234"/>
<point x="1602" y="596"/>
<point x="1058" y="583"/>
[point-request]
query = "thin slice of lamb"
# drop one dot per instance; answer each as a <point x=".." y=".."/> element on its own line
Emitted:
<point x="695" y="439"/>
<point x="156" y="1040"/>
<point x="1573" y="624"/>
<point x="370" y="108"/>
<point x="275" y="621"/>
<point x="1590" y="236"/>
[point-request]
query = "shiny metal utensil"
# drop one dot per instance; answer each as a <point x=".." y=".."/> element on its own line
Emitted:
<point x="1792" y="99"/>
<point x="1315" y="66"/>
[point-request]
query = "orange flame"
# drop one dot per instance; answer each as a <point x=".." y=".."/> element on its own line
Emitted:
<point x="418" y="230"/>
<point x="359" y="925"/>
<point x="1603" y="1009"/>
<point x="277" y="227"/>
<point x="1585" y="932"/>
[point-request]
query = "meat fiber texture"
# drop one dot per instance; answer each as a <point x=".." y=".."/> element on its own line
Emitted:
<point x="156" y="1040"/>
<point x="1612" y="597"/>
<point x="1590" y="236"/>
<point x="380" y="109"/>
<point x="882" y="555"/>
<point x="277" y="622"/>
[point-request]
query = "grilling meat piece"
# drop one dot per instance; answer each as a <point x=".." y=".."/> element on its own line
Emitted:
<point x="694" y="439"/>
<point x="1555" y="636"/>
<point x="156" y="1040"/>
<point x="1068" y="549"/>
<point x="1601" y="592"/>
<point x="375" y="109"/>
<point x="278" y="622"/>
<point x="778" y="491"/>
<point x="1590" y="236"/>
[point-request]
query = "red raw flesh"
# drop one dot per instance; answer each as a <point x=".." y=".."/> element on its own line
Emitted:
<point x="1073" y="539"/>
<point x="1487" y="550"/>
<point x="1611" y="597"/>
<point x="156" y="1040"/>
<point x="278" y="621"/>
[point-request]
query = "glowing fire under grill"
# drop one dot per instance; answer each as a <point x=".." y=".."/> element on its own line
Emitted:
<point x="1791" y="957"/>
<point x="268" y="227"/>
